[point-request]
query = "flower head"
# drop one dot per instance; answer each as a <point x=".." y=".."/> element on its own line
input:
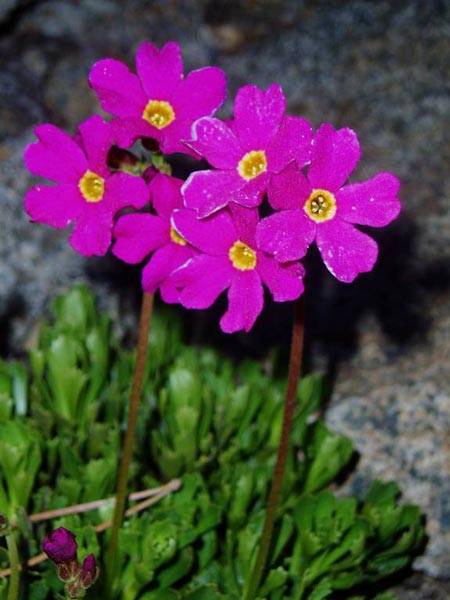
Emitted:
<point x="229" y="259"/>
<point x="247" y="152"/>
<point x="60" y="545"/>
<point x="86" y="193"/>
<point x="157" y="102"/>
<point x="320" y="207"/>
<point x="141" y="234"/>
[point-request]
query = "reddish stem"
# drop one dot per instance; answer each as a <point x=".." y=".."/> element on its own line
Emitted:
<point x="130" y="434"/>
<point x="295" y="363"/>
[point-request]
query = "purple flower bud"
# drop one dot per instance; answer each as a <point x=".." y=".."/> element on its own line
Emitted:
<point x="60" y="546"/>
<point x="89" y="572"/>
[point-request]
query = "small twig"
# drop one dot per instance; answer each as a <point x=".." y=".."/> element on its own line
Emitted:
<point x="87" y="506"/>
<point x="175" y="484"/>
<point x="171" y="486"/>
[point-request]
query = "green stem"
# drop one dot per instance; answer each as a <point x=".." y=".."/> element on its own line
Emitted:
<point x="13" y="589"/>
<point x="129" y="440"/>
<point x="295" y="363"/>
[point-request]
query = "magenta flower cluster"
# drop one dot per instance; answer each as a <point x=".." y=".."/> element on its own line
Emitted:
<point x="61" y="547"/>
<point x="205" y="236"/>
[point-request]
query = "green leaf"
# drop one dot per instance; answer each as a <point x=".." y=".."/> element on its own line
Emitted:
<point x="179" y="569"/>
<point x="160" y="544"/>
<point x="327" y="453"/>
<point x="205" y="592"/>
<point x="275" y="579"/>
<point x="321" y="590"/>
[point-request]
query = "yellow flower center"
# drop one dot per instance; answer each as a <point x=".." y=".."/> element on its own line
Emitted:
<point x="252" y="164"/>
<point x="320" y="206"/>
<point x="158" y="113"/>
<point x="242" y="256"/>
<point x="92" y="186"/>
<point x="176" y="237"/>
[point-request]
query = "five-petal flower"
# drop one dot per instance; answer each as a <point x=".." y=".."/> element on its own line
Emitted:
<point x="247" y="152"/>
<point x="157" y="102"/>
<point x="86" y="194"/>
<point x="320" y="207"/>
<point x="230" y="259"/>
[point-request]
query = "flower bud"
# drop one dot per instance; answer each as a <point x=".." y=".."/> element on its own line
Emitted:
<point x="60" y="546"/>
<point x="89" y="572"/>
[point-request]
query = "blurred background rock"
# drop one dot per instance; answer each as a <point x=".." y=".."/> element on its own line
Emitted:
<point x="379" y="67"/>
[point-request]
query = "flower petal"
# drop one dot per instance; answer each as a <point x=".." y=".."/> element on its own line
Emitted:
<point x="123" y="189"/>
<point x="334" y="155"/>
<point x="168" y="290"/>
<point x="55" y="156"/>
<point x="200" y="93"/>
<point x="291" y="142"/>
<point x="97" y="138"/>
<point x="161" y="265"/>
<point x="160" y="71"/>
<point x="214" y="235"/>
<point x="119" y="91"/>
<point x="345" y="251"/>
<point x="129" y="129"/>
<point x="57" y="206"/>
<point x="138" y="235"/>
<point x="245" y="302"/>
<point x="172" y="138"/>
<point x="289" y="189"/>
<point x="252" y="193"/>
<point x="166" y="195"/>
<point x="373" y="202"/>
<point x="285" y="281"/>
<point x="245" y="221"/>
<point x="208" y="191"/>
<point x="258" y="115"/>
<point x="92" y="232"/>
<point x="215" y="141"/>
<point x="286" y="234"/>
<point x="203" y="279"/>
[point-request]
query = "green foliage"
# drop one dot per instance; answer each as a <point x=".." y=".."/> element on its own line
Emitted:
<point x="211" y="422"/>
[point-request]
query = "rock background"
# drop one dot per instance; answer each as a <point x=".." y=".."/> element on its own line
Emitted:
<point x="380" y="67"/>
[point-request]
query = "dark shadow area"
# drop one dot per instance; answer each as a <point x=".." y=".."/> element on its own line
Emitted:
<point x="15" y="15"/>
<point x="14" y="308"/>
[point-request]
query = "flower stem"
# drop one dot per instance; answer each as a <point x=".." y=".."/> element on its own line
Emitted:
<point x="128" y="443"/>
<point x="13" y="589"/>
<point x="295" y="363"/>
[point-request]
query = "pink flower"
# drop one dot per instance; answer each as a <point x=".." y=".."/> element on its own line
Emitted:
<point x="320" y="207"/>
<point x="86" y="194"/>
<point x="258" y="143"/>
<point x="138" y="235"/>
<point x="157" y="103"/>
<point x="230" y="259"/>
